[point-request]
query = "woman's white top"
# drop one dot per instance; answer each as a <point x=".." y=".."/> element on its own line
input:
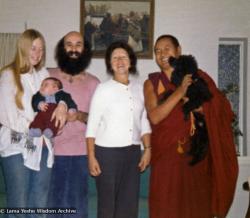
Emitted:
<point x="14" y="119"/>
<point x="117" y="115"/>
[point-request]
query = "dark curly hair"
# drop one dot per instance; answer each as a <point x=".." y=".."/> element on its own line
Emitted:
<point x="128" y="49"/>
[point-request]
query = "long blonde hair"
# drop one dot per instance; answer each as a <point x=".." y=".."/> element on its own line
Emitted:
<point x="21" y="63"/>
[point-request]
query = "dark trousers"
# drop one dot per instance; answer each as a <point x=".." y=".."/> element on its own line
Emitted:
<point x="118" y="183"/>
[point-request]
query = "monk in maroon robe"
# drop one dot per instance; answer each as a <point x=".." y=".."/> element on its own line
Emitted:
<point x="177" y="189"/>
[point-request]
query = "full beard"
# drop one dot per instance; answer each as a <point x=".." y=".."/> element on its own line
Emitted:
<point x="70" y="65"/>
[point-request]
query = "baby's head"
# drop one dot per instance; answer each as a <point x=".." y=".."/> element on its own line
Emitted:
<point x="50" y="86"/>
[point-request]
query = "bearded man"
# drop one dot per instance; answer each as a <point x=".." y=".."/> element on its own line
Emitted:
<point x="69" y="182"/>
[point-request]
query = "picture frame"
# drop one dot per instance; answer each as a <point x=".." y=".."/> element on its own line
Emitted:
<point x="103" y="22"/>
<point x="232" y="78"/>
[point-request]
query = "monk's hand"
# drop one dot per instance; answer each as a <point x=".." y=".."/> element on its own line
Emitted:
<point x="199" y="110"/>
<point x="186" y="82"/>
<point x="185" y="99"/>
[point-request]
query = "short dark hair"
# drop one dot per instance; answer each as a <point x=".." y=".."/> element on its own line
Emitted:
<point x="172" y="38"/>
<point x="57" y="81"/>
<point x="128" y="49"/>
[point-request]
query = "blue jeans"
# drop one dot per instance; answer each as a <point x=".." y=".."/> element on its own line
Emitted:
<point x="39" y="182"/>
<point x="69" y="186"/>
<point x="26" y="188"/>
<point x="16" y="183"/>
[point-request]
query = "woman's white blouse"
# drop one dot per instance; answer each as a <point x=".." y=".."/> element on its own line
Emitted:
<point x="117" y="116"/>
<point x="12" y="118"/>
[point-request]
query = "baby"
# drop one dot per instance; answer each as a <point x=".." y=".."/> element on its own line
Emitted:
<point x="44" y="102"/>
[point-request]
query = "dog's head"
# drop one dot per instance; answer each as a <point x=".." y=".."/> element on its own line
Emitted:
<point x="184" y="64"/>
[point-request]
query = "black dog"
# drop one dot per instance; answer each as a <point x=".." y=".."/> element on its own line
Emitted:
<point x="197" y="94"/>
<point x="198" y="91"/>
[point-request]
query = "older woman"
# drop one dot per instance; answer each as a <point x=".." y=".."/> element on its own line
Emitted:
<point x="26" y="161"/>
<point x="117" y="123"/>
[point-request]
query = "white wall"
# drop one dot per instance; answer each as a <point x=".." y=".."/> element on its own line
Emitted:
<point x="198" y="24"/>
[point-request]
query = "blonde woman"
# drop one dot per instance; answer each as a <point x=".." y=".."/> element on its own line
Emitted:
<point x="26" y="162"/>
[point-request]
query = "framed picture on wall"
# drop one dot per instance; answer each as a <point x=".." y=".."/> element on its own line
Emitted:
<point x="103" y="22"/>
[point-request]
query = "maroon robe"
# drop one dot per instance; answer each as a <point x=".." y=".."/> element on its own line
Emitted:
<point x="178" y="190"/>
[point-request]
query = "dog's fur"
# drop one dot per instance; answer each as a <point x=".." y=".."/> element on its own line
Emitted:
<point x="198" y="91"/>
<point x="197" y="94"/>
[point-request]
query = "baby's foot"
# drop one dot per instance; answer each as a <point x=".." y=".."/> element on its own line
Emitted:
<point x="35" y="132"/>
<point x="48" y="133"/>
